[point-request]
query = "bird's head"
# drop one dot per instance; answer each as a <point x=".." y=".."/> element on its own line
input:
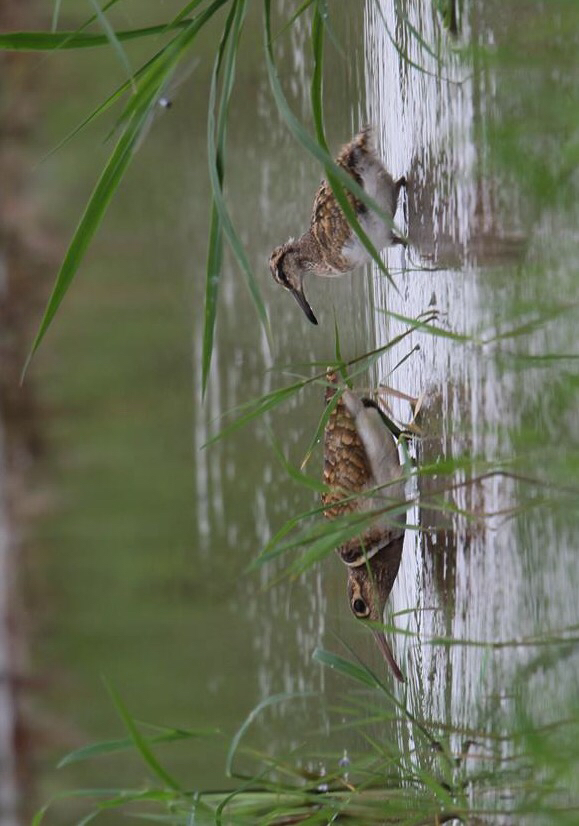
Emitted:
<point x="369" y="586"/>
<point x="287" y="269"/>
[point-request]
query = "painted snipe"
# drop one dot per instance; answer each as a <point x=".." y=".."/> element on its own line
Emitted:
<point x="360" y="454"/>
<point x="330" y="247"/>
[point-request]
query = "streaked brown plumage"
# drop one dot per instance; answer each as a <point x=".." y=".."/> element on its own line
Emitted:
<point x="360" y="454"/>
<point x="330" y="247"/>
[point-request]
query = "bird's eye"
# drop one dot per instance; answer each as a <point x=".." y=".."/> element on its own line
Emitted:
<point x="360" y="608"/>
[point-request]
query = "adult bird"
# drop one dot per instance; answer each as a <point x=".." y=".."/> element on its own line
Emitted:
<point x="330" y="247"/>
<point x="363" y="474"/>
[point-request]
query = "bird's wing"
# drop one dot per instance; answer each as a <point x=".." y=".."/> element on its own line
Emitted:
<point x="329" y="225"/>
<point x="346" y="466"/>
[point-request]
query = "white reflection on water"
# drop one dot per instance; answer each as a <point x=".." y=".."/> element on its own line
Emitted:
<point x="473" y="582"/>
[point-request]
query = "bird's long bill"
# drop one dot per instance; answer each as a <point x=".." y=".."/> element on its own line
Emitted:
<point x="388" y="655"/>
<point x="303" y="302"/>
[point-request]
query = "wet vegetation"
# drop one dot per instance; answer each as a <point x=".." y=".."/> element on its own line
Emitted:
<point x="513" y="758"/>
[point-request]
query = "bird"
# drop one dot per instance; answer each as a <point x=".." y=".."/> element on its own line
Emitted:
<point x="360" y="454"/>
<point x="330" y="247"/>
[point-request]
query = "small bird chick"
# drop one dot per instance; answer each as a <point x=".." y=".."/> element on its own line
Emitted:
<point x="360" y="454"/>
<point x="330" y="247"/>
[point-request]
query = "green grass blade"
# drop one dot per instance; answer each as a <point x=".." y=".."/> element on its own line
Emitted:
<point x="185" y="11"/>
<point x="293" y="472"/>
<point x="212" y="278"/>
<point x="319" y="432"/>
<point x="316" y="87"/>
<point x="304" y="7"/>
<point x="124" y="744"/>
<point x="224" y="217"/>
<point x="358" y="673"/>
<point x="264" y="404"/>
<point x="139" y="741"/>
<point x="215" y="250"/>
<point x="114" y="40"/>
<point x="275" y="699"/>
<point x="89" y="223"/>
<point x="50" y="41"/>
<point x="105" y="105"/>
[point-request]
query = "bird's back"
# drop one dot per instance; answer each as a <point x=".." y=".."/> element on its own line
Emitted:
<point x="348" y="471"/>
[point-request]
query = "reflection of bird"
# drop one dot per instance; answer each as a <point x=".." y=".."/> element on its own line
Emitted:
<point x="330" y="247"/>
<point x="360" y="454"/>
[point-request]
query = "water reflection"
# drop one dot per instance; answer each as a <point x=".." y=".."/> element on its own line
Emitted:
<point x="361" y="457"/>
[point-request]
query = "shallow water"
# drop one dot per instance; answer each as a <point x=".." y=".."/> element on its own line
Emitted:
<point x="508" y="577"/>
<point x="141" y="570"/>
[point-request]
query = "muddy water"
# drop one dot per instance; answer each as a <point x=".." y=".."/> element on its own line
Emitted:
<point x="141" y="569"/>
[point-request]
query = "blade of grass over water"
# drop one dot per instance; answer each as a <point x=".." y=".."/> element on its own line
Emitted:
<point x="256" y="407"/>
<point x="138" y="740"/>
<point x="114" y="40"/>
<point x="89" y="223"/>
<point x="127" y="743"/>
<point x="50" y="41"/>
<point x="225" y="222"/>
<point x="185" y="11"/>
<point x="275" y="699"/>
<point x="228" y="48"/>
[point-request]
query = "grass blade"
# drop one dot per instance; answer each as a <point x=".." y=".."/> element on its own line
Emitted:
<point x="139" y="741"/>
<point x="215" y="252"/>
<point x="89" y="223"/>
<point x="51" y="41"/>
<point x="223" y="212"/>
<point x="124" y="744"/>
<point x="114" y="40"/>
<point x="275" y="699"/>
